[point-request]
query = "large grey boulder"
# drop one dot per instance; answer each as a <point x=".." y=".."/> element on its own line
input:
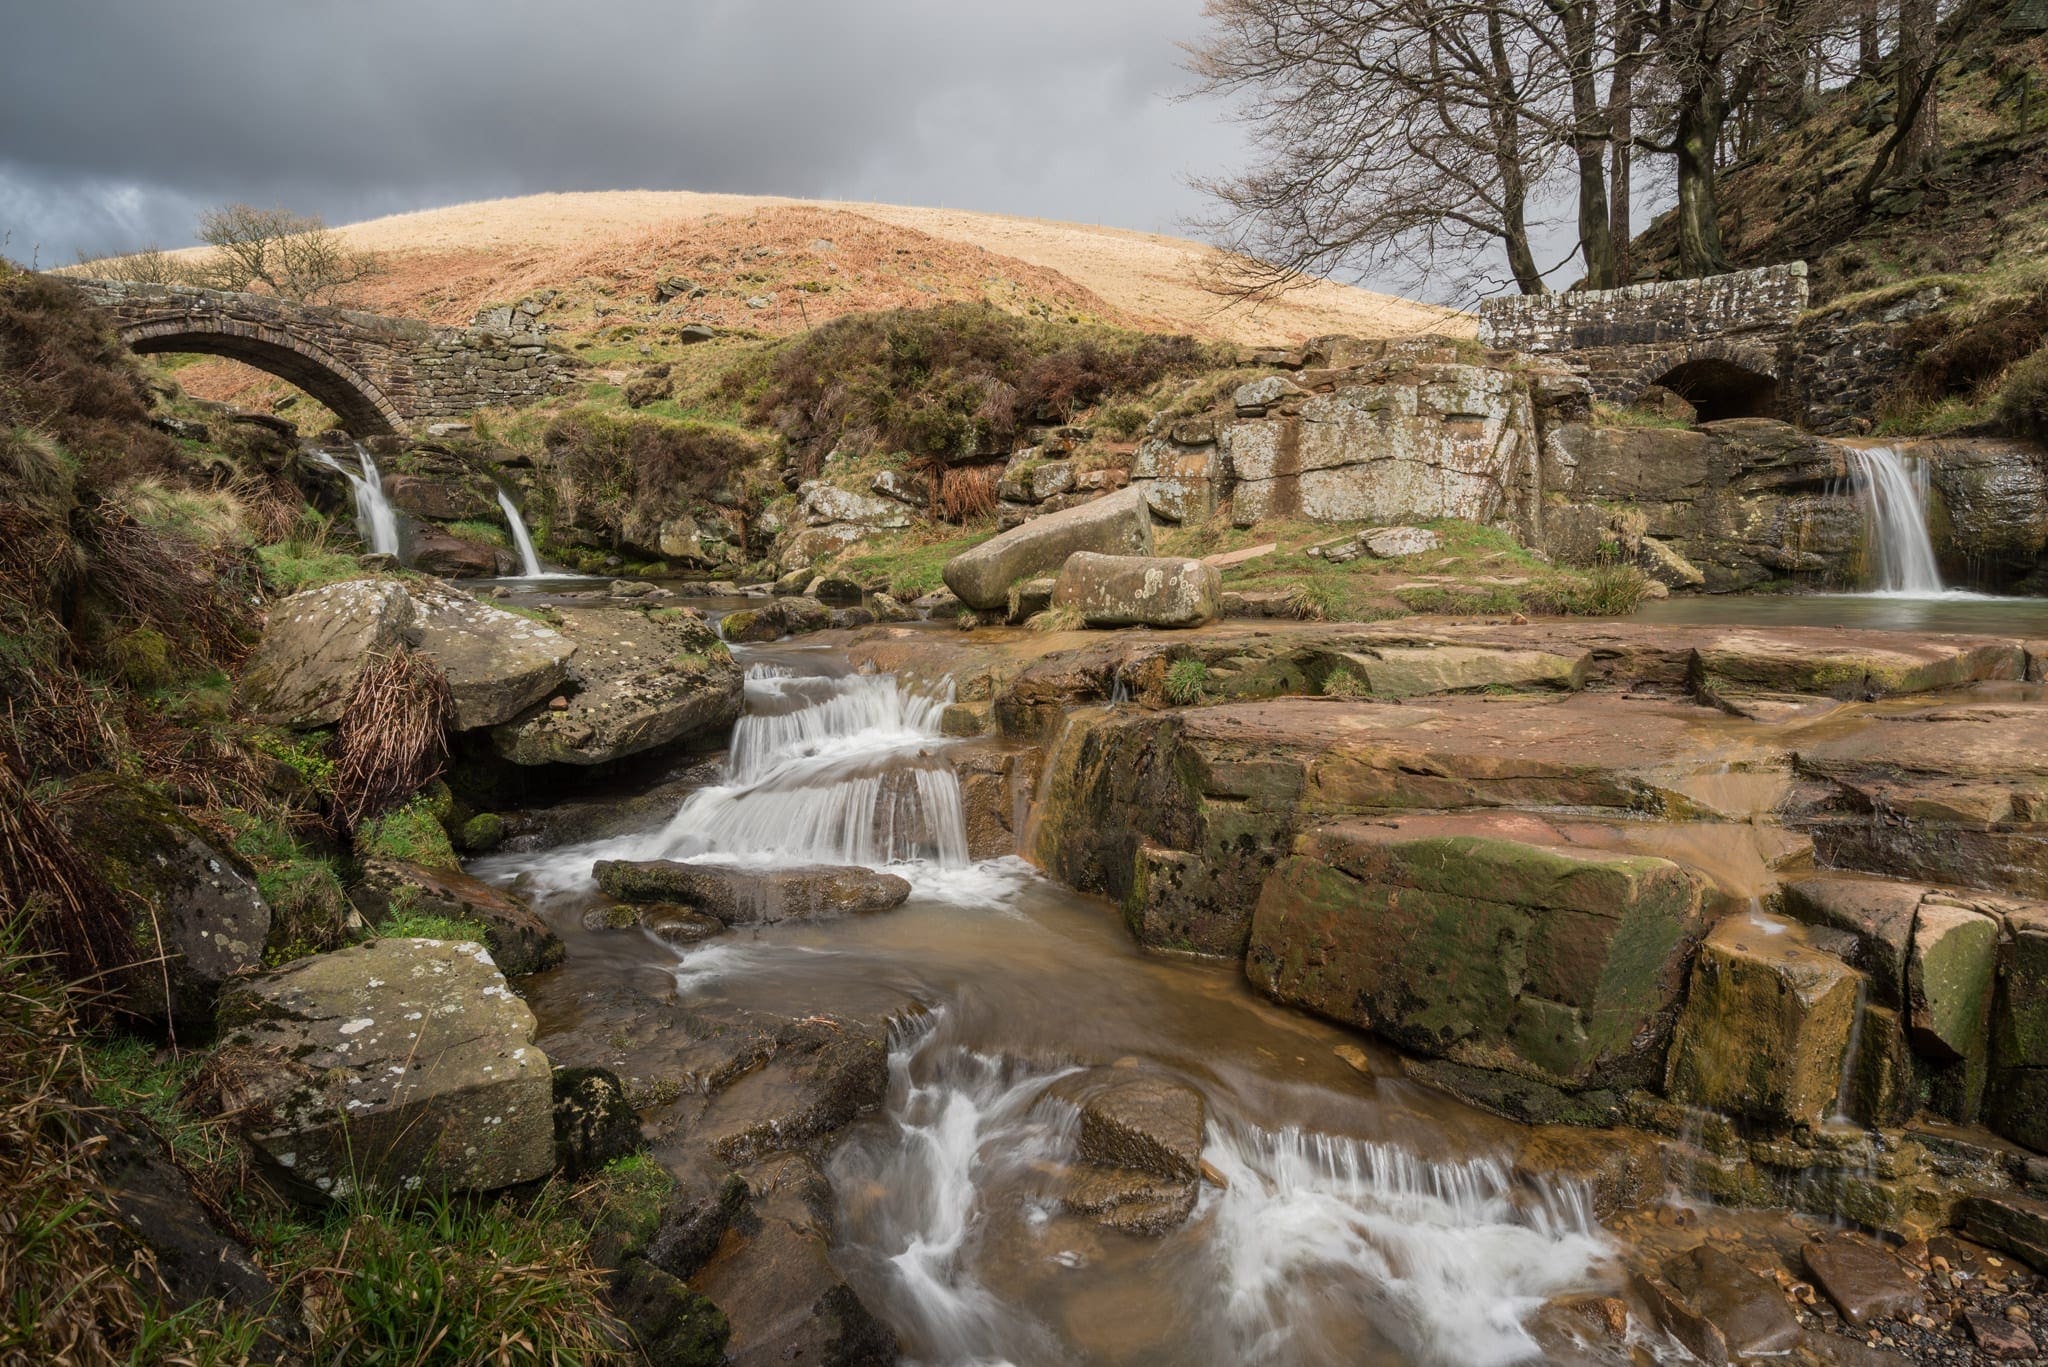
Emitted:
<point x="498" y="663"/>
<point x="317" y="644"/>
<point x="196" y="905"/>
<point x="638" y="680"/>
<point x="1135" y="590"/>
<point x="822" y="505"/>
<point x="747" y="896"/>
<point x="399" y="1063"/>
<point x="1118" y="524"/>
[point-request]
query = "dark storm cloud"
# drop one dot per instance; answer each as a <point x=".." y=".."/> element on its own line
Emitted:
<point x="118" y="122"/>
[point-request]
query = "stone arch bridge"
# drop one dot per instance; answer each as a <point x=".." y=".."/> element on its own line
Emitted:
<point x="1725" y="342"/>
<point x="378" y="374"/>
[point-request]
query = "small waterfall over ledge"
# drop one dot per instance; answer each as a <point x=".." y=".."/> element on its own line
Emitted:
<point x="529" y="560"/>
<point x="1892" y="491"/>
<point x="376" y="519"/>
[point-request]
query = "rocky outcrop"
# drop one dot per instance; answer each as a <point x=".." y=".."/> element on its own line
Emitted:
<point x="1453" y="939"/>
<point x="497" y="663"/>
<point x="394" y="1065"/>
<point x="316" y="646"/>
<point x="638" y="680"/>
<point x="1118" y="524"/>
<point x="741" y="896"/>
<point x="432" y="550"/>
<point x="198" y="921"/>
<point x="1132" y="590"/>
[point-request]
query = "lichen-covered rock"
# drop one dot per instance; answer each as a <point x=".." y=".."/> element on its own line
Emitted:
<point x="1130" y="590"/>
<point x="1766" y="1024"/>
<point x="316" y="646"/>
<point x="741" y="896"/>
<point x="1117" y="524"/>
<point x="594" y="1120"/>
<point x="196" y="906"/>
<point x="403" y="1064"/>
<point x="1557" y="963"/>
<point x="636" y="682"/>
<point x="497" y="663"/>
<point x="822" y="505"/>
<point x="520" y="940"/>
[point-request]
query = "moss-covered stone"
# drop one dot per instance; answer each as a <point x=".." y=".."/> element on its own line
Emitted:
<point x="1766" y="1024"/>
<point x="1559" y="964"/>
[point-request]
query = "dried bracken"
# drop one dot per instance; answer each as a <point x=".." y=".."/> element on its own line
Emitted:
<point x="392" y="739"/>
<point x="51" y="900"/>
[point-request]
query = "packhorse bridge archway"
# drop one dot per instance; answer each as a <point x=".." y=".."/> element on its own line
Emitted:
<point x="1723" y="342"/>
<point x="378" y="374"/>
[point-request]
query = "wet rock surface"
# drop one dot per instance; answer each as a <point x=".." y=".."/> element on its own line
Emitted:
<point x="754" y="896"/>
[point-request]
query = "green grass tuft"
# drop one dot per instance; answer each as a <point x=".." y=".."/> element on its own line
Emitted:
<point x="1186" y="681"/>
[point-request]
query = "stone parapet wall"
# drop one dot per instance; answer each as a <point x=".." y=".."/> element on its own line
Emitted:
<point x="378" y="374"/>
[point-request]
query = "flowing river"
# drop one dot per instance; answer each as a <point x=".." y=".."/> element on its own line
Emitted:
<point x="1362" y="1218"/>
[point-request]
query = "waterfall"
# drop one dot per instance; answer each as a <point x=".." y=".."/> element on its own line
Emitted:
<point x="376" y="519"/>
<point x="1892" y="491"/>
<point x="529" y="562"/>
<point x="828" y="770"/>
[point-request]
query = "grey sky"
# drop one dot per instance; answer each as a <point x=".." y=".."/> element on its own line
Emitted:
<point x="121" y="119"/>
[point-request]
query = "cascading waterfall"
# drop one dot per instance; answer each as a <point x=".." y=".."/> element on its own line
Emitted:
<point x="1893" y="493"/>
<point x="376" y="519"/>
<point x="1448" y="1257"/>
<point x="529" y="561"/>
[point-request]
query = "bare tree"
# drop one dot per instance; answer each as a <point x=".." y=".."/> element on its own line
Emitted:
<point x="150" y="266"/>
<point x="1386" y="133"/>
<point x="1926" y="44"/>
<point x="291" y="255"/>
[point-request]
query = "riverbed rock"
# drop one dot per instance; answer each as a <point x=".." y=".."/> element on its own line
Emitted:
<point x="2008" y="1221"/>
<point x="397" y="1064"/>
<point x="192" y="903"/>
<point x="1129" y="1200"/>
<point x="442" y="499"/>
<point x="1560" y="964"/>
<point x="1766" y="1024"/>
<point x="497" y="663"/>
<point x="1419" y="671"/>
<point x="1878" y="912"/>
<point x="316" y="645"/>
<point x="1116" y="524"/>
<point x="520" y="940"/>
<point x="1129" y="590"/>
<point x="1865" y="1282"/>
<point x="741" y="896"/>
<point x="640" y="681"/>
<point x="594" y="1120"/>
<point x="1948" y="978"/>
<point x="1863" y="664"/>
<point x="1745" y="1315"/>
<point x="1132" y="1119"/>
<point x="435" y="551"/>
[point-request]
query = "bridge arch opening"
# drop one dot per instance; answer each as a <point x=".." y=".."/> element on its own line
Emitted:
<point x="1720" y="389"/>
<point x="361" y="408"/>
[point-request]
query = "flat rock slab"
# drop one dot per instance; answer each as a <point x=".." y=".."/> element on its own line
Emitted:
<point x="1117" y="524"/>
<point x="741" y="896"/>
<point x="1750" y="1312"/>
<point x="1130" y="1200"/>
<point x="1851" y="664"/>
<point x="498" y="663"/>
<point x="639" y="680"/>
<point x="316" y="646"/>
<point x="1138" y="590"/>
<point x="1136" y="1120"/>
<point x="397" y="1063"/>
<point x="1420" y="671"/>
<point x="1864" y="1281"/>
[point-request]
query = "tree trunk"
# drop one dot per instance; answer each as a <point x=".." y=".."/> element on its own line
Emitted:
<point x="1699" y="216"/>
<point x="1920" y="149"/>
<point x="1869" y="45"/>
<point x="1621" y="124"/>
<point x="1589" y="131"/>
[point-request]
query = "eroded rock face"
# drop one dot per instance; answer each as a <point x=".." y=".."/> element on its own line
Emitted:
<point x="750" y="896"/>
<point x="1117" y="524"/>
<point x="497" y="663"/>
<point x="434" y="551"/>
<point x="397" y="1063"/>
<point x="316" y="646"/>
<point x="1130" y="590"/>
<point x="639" y="680"/>
<point x="1557" y="963"/>
<point x="198" y="904"/>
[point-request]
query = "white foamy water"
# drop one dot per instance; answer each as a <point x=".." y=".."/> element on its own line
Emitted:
<point x="1316" y="1235"/>
<point x="376" y="519"/>
<point x="823" y="770"/>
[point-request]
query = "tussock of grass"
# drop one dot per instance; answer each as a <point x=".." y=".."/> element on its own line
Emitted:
<point x="910" y="564"/>
<point x="1057" y="619"/>
<point x="1186" y="681"/>
<point x="419" y="925"/>
<point x="412" y="833"/>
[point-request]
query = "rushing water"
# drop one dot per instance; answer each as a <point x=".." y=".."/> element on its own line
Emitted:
<point x="529" y="560"/>
<point x="376" y="519"/>
<point x="1364" y="1220"/>
<point x="1893" y="493"/>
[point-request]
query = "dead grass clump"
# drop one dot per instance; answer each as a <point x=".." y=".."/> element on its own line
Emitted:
<point x="392" y="740"/>
<point x="52" y="902"/>
<point x="156" y="577"/>
<point x="965" y="493"/>
<point x="64" y="375"/>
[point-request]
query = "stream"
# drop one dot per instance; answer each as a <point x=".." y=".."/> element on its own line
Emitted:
<point x="1365" y="1219"/>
